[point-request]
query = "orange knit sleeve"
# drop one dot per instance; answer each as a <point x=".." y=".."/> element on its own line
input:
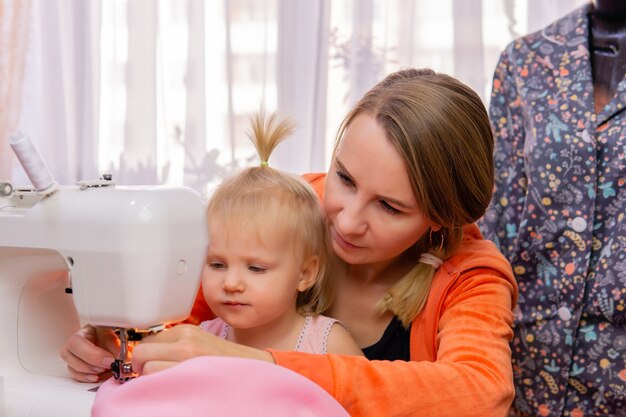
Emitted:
<point x="200" y="310"/>
<point x="317" y="181"/>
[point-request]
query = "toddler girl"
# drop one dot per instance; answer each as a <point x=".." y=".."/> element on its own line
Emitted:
<point x="266" y="271"/>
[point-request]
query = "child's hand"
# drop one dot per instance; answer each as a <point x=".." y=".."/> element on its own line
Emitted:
<point x="185" y="341"/>
<point x="89" y="353"/>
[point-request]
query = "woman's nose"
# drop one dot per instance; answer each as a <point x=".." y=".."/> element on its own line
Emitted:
<point x="351" y="219"/>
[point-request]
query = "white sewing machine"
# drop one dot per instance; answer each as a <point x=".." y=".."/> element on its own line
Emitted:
<point x="122" y="257"/>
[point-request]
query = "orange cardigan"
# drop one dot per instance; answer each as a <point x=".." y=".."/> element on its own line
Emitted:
<point x="460" y="356"/>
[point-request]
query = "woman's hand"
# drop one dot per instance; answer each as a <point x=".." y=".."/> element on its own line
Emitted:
<point x="89" y="353"/>
<point x="185" y="341"/>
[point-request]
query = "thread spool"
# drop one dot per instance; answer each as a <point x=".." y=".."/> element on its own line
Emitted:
<point x="31" y="161"/>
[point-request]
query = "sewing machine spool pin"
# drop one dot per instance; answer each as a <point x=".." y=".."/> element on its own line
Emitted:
<point x="33" y="164"/>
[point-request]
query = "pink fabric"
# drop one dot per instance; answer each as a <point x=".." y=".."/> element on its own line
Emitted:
<point x="217" y="386"/>
<point x="313" y="336"/>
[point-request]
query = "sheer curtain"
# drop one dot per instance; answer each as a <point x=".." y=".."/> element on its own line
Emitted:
<point x="59" y="103"/>
<point x="14" y="18"/>
<point x="159" y="91"/>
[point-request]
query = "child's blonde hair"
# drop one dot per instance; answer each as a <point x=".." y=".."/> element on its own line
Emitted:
<point x="268" y="200"/>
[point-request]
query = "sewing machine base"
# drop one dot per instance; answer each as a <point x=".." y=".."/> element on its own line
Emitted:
<point x="46" y="396"/>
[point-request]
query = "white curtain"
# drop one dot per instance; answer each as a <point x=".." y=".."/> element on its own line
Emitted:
<point x="14" y="23"/>
<point x="60" y="90"/>
<point x="301" y="69"/>
<point x="158" y="91"/>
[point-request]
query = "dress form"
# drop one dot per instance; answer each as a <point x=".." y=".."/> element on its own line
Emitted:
<point x="608" y="49"/>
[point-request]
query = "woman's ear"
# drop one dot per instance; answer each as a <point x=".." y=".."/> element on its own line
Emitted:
<point x="308" y="274"/>
<point x="435" y="227"/>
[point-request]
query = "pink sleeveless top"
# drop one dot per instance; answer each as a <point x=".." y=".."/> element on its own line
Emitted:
<point x="313" y="336"/>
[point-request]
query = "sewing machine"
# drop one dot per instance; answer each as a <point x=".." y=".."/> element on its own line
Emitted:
<point x="121" y="257"/>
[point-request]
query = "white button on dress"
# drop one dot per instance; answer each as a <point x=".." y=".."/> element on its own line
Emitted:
<point x="579" y="224"/>
<point x="564" y="313"/>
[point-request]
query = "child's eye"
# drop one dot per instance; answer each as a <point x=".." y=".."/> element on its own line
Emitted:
<point x="345" y="179"/>
<point x="257" y="269"/>
<point x="216" y="265"/>
<point x="387" y="207"/>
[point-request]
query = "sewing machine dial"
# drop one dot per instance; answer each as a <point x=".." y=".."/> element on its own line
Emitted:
<point x="6" y="189"/>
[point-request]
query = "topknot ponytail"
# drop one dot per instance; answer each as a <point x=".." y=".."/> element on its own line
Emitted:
<point x="266" y="132"/>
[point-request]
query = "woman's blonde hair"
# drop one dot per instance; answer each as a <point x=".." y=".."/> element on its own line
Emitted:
<point x="267" y="200"/>
<point x="441" y="129"/>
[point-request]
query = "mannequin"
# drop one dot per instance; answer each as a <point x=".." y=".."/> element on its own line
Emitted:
<point x="558" y="109"/>
<point x="608" y="49"/>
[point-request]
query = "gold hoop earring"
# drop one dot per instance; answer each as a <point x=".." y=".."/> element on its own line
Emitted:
<point x="438" y="240"/>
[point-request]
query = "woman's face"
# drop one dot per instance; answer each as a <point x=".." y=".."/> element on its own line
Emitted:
<point x="368" y="199"/>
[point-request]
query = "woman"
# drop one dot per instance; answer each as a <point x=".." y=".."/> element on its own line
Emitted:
<point x="426" y="298"/>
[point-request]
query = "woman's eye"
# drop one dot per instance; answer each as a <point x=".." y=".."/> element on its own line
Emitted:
<point x="216" y="265"/>
<point x="389" y="208"/>
<point x="256" y="269"/>
<point x="345" y="179"/>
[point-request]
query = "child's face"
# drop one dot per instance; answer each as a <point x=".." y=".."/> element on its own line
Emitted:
<point x="251" y="282"/>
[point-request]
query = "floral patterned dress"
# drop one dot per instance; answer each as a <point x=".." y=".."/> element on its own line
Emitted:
<point x="558" y="215"/>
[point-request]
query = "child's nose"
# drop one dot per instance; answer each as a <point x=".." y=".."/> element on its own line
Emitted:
<point x="232" y="281"/>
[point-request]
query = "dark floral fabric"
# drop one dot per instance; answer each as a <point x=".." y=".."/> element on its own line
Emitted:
<point x="558" y="215"/>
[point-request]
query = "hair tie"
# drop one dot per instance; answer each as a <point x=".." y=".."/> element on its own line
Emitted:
<point x="265" y="164"/>
<point x="430" y="259"/>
